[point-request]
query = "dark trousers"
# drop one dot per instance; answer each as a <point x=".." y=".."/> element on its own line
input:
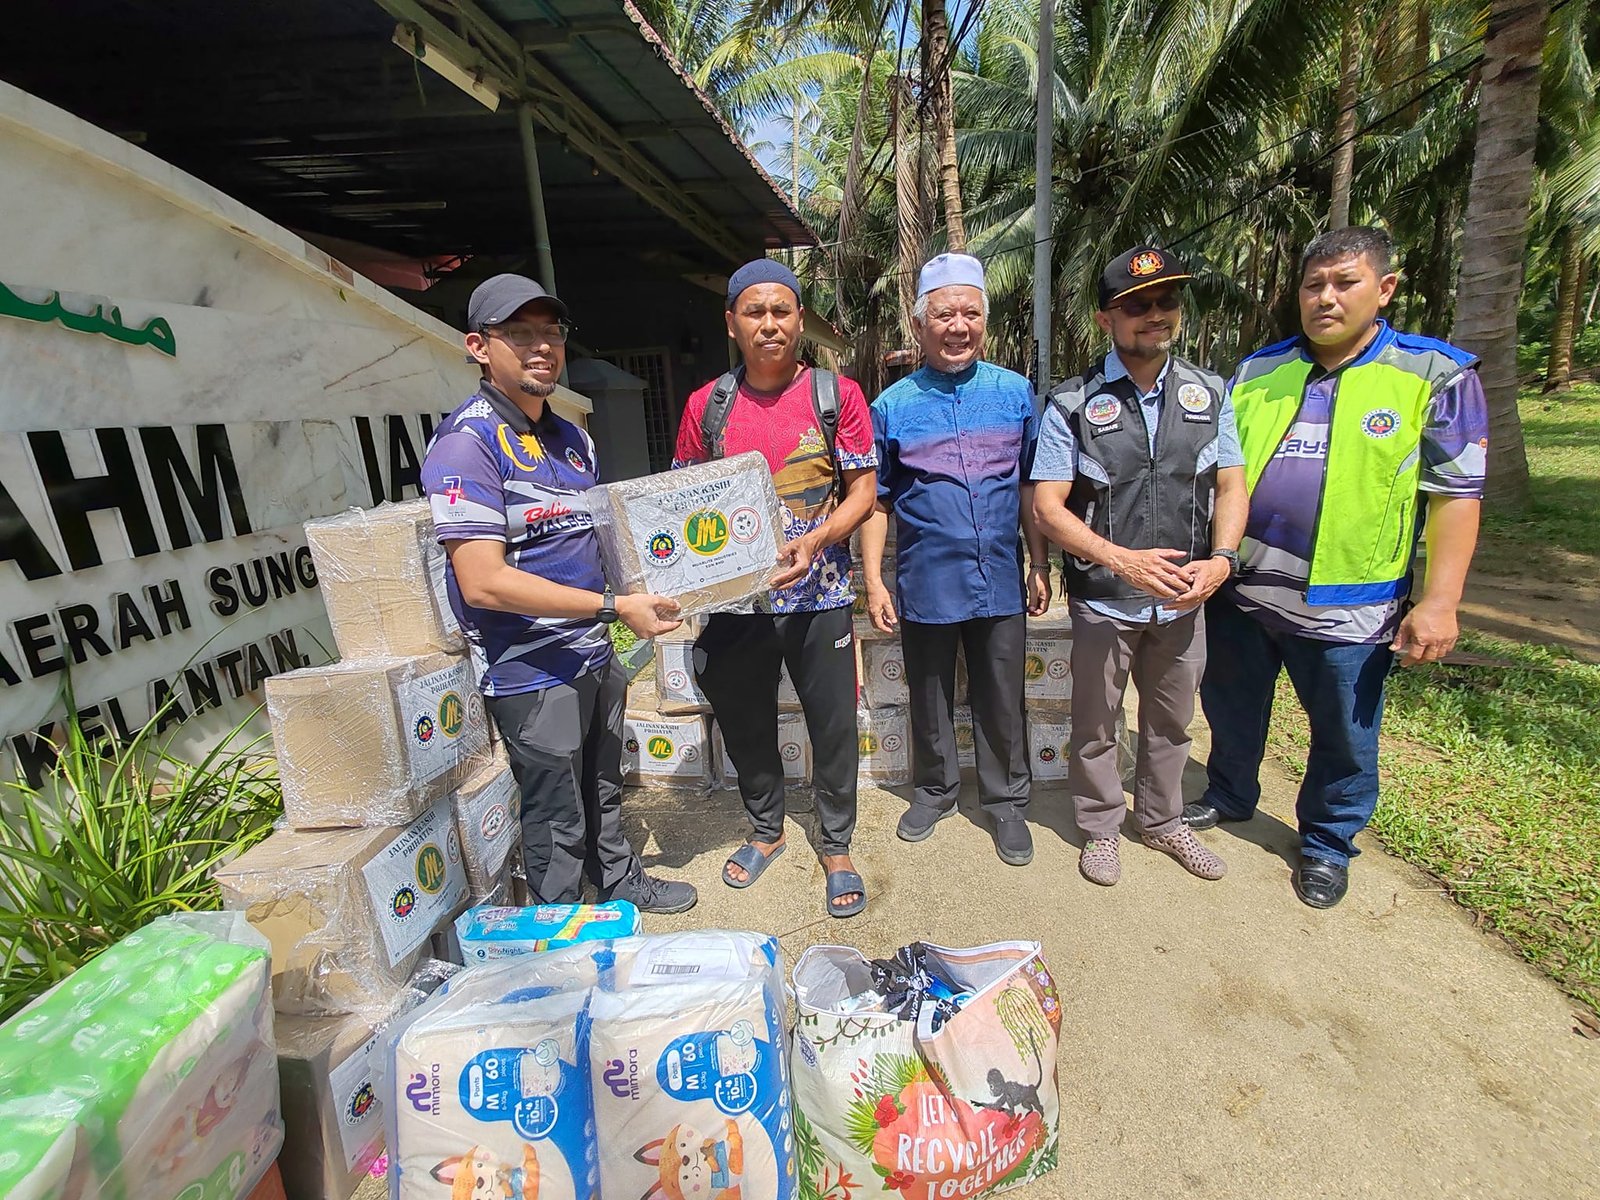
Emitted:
<point x="737" y="661"/>
<point x="565" y="744"/>
<point x="995" y="670"/>
<point x="1340" y="686"/>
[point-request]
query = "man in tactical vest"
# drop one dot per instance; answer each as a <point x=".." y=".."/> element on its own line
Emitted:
<point x="955" y="440"/>
<point x="1140" y="480"/>
<point x="1346" y="431"/>
<point x="812" y="426"/>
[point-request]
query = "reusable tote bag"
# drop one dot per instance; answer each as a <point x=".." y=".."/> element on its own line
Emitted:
<point x="929" y="1076"/>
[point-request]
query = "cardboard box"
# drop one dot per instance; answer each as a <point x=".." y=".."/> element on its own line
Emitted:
<point x="884" y="742"/>
<point x="666" y="752"/>
<point x="883" y="676"/>
<point x="347" y="911"/>
<point x="794" y="750"/>
<point x="707" y="535"/>
<point x="677" y="693"/>
<point x="329" y="1072"/>
<point x="966" y="753"/>
<point x="788" y="697"/>
<point x="1047" y="669"/>
<point x="488" y="815"/>
<point x="382" y="576"/>
<point x="374" y="742"/>
<point x="270" y="1187"/>
<point x="1049" y="741"/>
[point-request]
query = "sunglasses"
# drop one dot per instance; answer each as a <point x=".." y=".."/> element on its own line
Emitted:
<point x="1171" y="302"/>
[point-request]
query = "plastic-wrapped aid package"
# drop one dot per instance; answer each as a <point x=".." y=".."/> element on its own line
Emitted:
<point x="376" y="741"/>
<point x="884" y="737"/>
<point x="645" y="1066"/>
<point x="708" y="535"/>
<point x="329" y="1070"/>
<point x="348" y="911"/>
<point x="666" y="752"/>
<point x="883" y="674"/>
<point x="490" y="932"/>
<point x="382" y="576"/>
<point x="148" y="1072"/>
<point x="488" y="815"/>
<point x="1049" y="740"/>
<point x="677" y="692"/>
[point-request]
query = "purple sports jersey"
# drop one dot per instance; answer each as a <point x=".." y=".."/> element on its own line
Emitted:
<point x="1275" y="556"/>
<point x="953" y="454"/>
<point x="489" y="476"/>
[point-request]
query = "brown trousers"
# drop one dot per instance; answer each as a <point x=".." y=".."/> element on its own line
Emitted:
<point x="1165" y="662"/>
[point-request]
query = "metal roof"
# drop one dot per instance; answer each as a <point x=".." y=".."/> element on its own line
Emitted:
<point x="308" y="111"/>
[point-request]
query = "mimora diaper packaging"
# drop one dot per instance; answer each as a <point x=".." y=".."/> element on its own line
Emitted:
<point x="641" y="1068"/>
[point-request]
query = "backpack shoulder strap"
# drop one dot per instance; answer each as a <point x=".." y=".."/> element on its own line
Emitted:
<point x="714" y="420"/>
<point x="825" y="403"/>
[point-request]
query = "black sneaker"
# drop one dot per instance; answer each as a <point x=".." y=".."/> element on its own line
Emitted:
<point x="1013" y="841"/>
<point x="652" y="895"/>
<point x="917" y="822"/>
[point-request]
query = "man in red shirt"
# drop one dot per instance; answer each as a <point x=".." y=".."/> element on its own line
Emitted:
<point x="827" y="487"/>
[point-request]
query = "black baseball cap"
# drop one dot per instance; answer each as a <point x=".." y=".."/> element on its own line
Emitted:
<point x="1141" y="267"/>
<point x="497" y="297"/>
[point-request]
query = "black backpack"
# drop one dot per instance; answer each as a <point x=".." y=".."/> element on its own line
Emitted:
<point x="824" y="403"/>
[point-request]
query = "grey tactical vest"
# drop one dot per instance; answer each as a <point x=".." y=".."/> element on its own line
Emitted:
<point x="1121" y="492"/>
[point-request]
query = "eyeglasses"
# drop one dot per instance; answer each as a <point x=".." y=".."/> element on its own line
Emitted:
<point x="1170" y="302"/>
<point x="525" y="337"/>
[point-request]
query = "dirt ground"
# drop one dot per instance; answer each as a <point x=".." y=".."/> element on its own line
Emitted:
<point x="1561" y="608"/>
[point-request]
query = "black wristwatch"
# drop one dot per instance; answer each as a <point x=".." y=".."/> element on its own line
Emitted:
<point x="608" y="607"/>
<point x="1232" y="557"/>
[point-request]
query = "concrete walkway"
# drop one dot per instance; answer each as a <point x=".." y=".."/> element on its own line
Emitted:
<point x="1220" y="1039"/>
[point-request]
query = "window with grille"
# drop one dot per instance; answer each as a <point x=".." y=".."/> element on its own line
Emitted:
<point x="660" y="413"/>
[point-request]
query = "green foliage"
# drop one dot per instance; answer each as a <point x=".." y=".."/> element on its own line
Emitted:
<point x="1559" y="522"/>
<point x="1491" y="783"/>
<point x="115" y="836"/>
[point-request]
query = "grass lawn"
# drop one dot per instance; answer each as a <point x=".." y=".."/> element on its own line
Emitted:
<point x="1491" y="774"/>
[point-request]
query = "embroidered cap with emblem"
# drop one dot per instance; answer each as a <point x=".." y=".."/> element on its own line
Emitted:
<point x="1141" y="267"/>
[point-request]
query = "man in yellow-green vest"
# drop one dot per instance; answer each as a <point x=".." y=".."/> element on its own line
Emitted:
<point x="1355" y="437"/>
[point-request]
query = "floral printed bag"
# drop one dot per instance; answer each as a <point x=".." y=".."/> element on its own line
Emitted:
<point x="928" y="1076"/>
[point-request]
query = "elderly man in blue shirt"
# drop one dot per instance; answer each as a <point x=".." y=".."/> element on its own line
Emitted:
<point x="955" y="444"/>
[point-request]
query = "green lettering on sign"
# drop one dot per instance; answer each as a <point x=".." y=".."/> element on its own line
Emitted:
<point x="156" y="331"/>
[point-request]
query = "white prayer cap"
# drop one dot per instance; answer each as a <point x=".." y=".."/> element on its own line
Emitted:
<point x="946" y="269"/>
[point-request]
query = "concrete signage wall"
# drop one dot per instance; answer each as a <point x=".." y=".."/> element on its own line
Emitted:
<point x="182" y="384"/>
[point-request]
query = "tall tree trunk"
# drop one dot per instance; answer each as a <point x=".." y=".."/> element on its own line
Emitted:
<point x="1421" y="55"/>
<point x="851" y="199"/>
<point x="910" y="197"/>
<point x="937" y="59"/>
<point x="1558" y="371"/>
<point x="1495" y="232"/>
<point x="1344" y="127"/>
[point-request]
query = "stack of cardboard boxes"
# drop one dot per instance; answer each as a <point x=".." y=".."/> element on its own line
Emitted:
<point x="882" y="719"/>
<point x="399" y="815"/>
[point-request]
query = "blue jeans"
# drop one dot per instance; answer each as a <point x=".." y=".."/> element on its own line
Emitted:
<point x="1340" y="686"/>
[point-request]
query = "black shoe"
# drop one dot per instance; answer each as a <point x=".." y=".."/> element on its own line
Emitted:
<point x="1202" y="814"/>
<point x="652" y="895"/>
<point x="1320" y="883"/>
<point x="917" y="822"/>
<point x="1014" y="842"/>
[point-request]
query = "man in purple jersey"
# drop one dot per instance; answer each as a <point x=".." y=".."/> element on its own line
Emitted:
<point x="506" y="477"/>
<point x="1352" y="434"/>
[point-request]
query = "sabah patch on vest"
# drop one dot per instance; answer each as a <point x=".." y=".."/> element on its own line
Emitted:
<point x="1380" y="423"/>
<point x="1102" y="409"/>
<point x="1193" y="398"/>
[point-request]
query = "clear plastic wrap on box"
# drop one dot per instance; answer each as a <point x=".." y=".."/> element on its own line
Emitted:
<point x="1049" y="741"/>
<point x="677" y="692"/>
<point x="637" y="1067"/>
<point x="884" y="736"/>
<point x="1047" y="668"/>
<point x="794" y="751"/>
<point x="883" y="675"/>
<point x="374" y="742"/>
<point x="488" y="815"/>
<point x="148" y="1072"/>
<point x="666" y="752"/>
<point x="382" y="576"/>
<point x="708" y="535"/>
<point x="348" y="911"/>
<point x="330" y="1069"/>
